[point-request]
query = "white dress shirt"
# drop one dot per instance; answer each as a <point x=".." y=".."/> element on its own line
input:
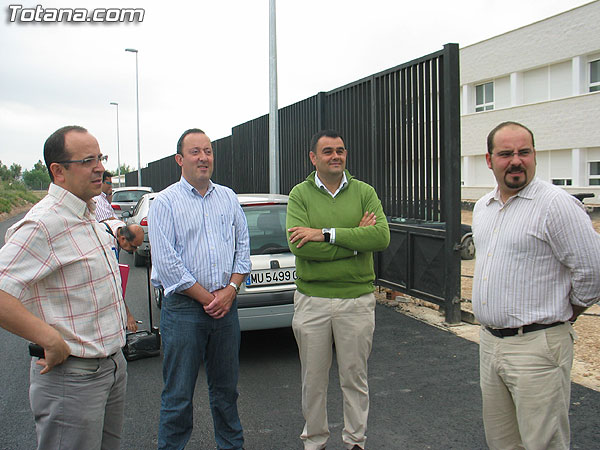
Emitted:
<point x="536" y="255"/>
<point x="197" y="238"/>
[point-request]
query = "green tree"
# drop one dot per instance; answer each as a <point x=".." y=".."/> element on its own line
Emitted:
<point x="15" y="171"/>
<point x="124" y="169"/>
<point x="37" y="178"/>
<point x="11" y="174"/>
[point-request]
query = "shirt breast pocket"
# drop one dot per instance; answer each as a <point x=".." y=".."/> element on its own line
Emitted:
<point x="226" y="227"/>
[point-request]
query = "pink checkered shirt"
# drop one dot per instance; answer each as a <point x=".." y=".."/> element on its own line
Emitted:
<point x="103" y="209"/>
<point x="57" y="261"/>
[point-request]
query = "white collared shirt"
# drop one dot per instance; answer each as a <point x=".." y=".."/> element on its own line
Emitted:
<point x="536" y="255"/>
<point x="342" y="185"/>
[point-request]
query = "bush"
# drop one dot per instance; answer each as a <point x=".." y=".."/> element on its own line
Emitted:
<point x="14" y="194"/>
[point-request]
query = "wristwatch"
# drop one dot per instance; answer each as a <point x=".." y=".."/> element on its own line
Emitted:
<point x="235" y="286"/>
<point x="326" y="234"/>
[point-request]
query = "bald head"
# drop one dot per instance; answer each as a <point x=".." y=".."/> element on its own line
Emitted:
<point x="130" y="237"/>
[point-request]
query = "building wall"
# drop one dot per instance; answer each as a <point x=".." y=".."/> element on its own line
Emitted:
<point x="541" y="77"/>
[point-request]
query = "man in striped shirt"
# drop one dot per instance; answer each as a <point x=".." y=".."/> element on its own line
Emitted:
<point x="60" y="288"/>
<point x="201" y="255"/>
<point x="537" y="269"/>
<point x="104" y="210"/>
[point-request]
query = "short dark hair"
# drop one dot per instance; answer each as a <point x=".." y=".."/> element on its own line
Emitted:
<point x="126" y="233"/>
<point x="490" y="138"/>
<point x="106" y="175"/>
<point x="185" y="133"/>
<point x="319" y="134"/>
<point x="54" y="148"/>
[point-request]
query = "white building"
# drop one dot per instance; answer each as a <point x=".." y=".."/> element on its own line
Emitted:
<point x="547" y="76"/>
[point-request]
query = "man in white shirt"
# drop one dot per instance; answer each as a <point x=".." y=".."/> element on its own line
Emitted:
<point x="103" y="209"/>
<point x="537" y="269"/>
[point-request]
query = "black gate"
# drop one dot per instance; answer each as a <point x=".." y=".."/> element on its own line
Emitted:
<point x="418" y="133"/>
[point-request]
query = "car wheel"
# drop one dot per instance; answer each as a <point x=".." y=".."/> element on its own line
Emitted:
<point x="158" y="297"/>
<point x="467" y="248"/>
<point x="138" y="260"/>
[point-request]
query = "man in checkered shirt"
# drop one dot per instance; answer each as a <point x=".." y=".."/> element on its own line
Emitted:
<point x="60" y="288"/>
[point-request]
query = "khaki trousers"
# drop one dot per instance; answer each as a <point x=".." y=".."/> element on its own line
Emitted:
<point x="317" y="324"/>
<point x="526" y="388"/>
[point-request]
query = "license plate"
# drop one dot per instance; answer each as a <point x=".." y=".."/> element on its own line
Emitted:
<point x="271" y="276"/>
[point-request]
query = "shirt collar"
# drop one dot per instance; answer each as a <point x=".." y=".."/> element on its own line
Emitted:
<point x="80" y="208"/>
<point x="528" y="192"/>
<point x="188" y="187"/>
<point x="322" y="186"/>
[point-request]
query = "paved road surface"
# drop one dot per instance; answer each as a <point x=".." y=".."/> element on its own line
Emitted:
<point x="423" y="380"/>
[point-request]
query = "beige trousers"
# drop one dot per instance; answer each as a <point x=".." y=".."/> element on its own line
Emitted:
<point x="319" y="323"/>
<point x="526" y="388"/>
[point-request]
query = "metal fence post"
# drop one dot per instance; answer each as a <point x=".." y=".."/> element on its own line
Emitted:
<point x="451" y="184"/>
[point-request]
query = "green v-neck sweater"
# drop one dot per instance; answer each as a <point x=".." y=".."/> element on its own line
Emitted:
<point x="343" y="269"/>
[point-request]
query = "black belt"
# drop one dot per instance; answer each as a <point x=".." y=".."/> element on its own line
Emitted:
<point x="504" y="332"/>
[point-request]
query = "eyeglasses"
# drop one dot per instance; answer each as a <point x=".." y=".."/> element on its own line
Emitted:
<point x="92" y="161"/>
<point x="507" y="154"/>
<point x="108" y="182"/>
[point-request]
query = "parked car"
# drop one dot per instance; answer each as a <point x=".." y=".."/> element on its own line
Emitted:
<point x="266" y="299"/>
<point x="467" y="245"/>
<point x="139" y="216"/>
<point x="125" y="198"/>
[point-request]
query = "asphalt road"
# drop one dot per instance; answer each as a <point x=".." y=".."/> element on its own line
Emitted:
<point x="423" y="382"/>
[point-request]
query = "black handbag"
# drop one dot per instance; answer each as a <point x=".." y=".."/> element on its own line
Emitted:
<point x="145" y="343"/>
<point x="142" y="344"/>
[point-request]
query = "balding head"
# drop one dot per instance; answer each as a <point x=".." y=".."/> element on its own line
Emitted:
<point x="130" y="237"/>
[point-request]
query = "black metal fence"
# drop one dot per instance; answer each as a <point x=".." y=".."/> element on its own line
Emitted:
<point x="402" y="131"/>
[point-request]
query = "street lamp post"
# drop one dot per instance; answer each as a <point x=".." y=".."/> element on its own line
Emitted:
<point x="118" y="150"/>
<point x="137" y="103"/>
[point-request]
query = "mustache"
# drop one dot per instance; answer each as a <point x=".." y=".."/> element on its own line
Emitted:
<point x="516" y="169"/>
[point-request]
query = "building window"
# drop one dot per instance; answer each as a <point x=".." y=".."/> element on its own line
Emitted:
<point x="562" y="181"/>
<point x="595" y="76"/>
<point x="594" y="179"/>
<point x="484" y="97"/>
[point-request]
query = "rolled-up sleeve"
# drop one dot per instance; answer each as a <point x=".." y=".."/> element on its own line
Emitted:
<point x="241" y="259"/>
<point x="168" y="269"/>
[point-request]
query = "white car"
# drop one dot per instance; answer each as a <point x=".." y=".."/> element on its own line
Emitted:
<point x="125" y="198"/>
<point x="266" y="299"/>
<point x="139" y="216"/>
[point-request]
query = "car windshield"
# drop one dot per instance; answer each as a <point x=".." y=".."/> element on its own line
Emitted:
<point x="128" y="196"/>
<point x="266" y="224"/>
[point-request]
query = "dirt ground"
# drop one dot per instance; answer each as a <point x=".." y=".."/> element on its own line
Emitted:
<point x="586" y="364"/>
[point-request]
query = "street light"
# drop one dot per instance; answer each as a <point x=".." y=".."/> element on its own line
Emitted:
<point x="137" y="103"/>
<point x="118" y="151"/>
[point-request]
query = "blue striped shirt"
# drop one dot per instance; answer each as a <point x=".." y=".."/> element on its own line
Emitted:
<point x="197" y="238"/>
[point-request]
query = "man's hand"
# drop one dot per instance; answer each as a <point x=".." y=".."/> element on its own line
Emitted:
<point x="55" y="354"/>
<point x="305" y="235"/>
<point x="222" y="302"/>
<point x="368" y="219"/>
<point x="131" y="322"/>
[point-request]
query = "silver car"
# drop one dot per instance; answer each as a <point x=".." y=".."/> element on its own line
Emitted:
<point x="125" y="198"/>
<point x="266" y="299"/>
<point x="139" y="216"/>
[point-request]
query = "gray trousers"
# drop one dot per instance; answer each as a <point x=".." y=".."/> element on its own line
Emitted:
<point x="79" y="404"/>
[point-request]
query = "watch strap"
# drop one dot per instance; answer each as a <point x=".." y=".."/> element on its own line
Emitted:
<point x="235" y="286"/>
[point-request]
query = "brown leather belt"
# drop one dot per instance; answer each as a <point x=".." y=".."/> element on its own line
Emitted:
<point x="504" y="332"/>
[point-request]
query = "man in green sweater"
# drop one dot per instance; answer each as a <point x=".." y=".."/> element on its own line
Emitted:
<point x="335" y="223"/>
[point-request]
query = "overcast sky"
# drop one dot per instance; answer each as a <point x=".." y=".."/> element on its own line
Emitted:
<point x="205" y="63"/>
